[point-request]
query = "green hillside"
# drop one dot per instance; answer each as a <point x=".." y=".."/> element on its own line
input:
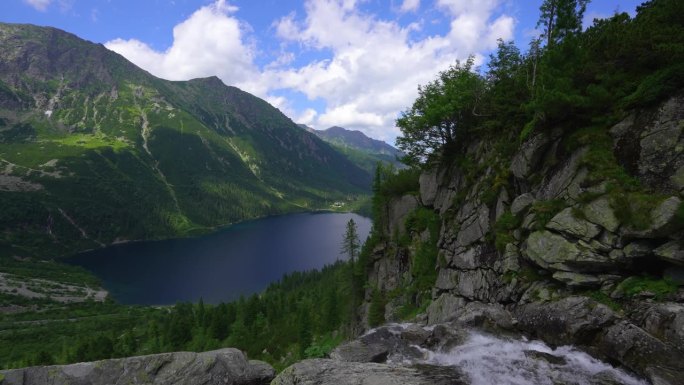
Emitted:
<point x="362" y="150"/>
<point x="94" y="150"/>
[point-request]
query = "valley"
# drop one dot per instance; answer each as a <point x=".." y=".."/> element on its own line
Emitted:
<point x="533" y="234"/>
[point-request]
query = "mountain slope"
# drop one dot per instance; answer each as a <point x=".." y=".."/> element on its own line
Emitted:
<point x="93" y="150"/>
<point x="363" y="151"/>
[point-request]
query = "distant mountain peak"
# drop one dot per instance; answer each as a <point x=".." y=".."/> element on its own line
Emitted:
<point x="356" y="139"/>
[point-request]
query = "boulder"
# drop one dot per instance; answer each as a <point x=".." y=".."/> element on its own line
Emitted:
<point x="637" y="249"/>
<point x="571" y="320"/>
<point x="444" y="309"/>
<point x="601" y="213"/>
<point x="331" y="372"/>
<point x="473" y="257"/>
<point x="665" y="217"/>
<point x="584" y="322"/>
<point x="577" y="280"/>
<point x="554" y="252"/>
<point x="567" y="182"/>
<point x="357" y="351"/>
<point x="662" y="320"/>
<point x="672" y="252"/>
<point x="641" y="352"/>
<point x="521" y="203"/>
<point x="428" y="186"/>
<point x="225" y="366"/>
<point x="650" y="145"/>
<point x="399" y="208"/>
<point x="530" y="153"/>
<point x="565" y="222"/>
<point x="475" y="227"/>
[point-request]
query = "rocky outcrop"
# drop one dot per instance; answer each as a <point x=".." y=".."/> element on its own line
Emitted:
<point x="225" y="366"/>
<point x="562" y="233"/>
<point x="331" y="372"/>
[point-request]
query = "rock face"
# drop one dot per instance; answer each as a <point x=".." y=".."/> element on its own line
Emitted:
<point x="562" y="235"/>
<point x="330" y="372"/>
<point x="225" y="366"/>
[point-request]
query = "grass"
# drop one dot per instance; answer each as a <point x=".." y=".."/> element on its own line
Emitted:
<point x="603" y="298"/>
<point x="545" y="210"/>
<point x="659" y="287"/>
<point x="503" y="229"/>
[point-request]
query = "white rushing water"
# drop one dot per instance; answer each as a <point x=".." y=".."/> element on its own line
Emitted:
<point x="487" y="360"/>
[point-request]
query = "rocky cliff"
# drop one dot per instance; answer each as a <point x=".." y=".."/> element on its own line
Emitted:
<point x="225" y="366"/>
<point x="577" y="237"/>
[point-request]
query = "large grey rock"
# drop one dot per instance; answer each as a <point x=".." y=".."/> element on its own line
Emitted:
<point x="225" y="366"/>
<point x="529" y="155"/>
<point x="473" y="257"/>
<point x="444" y="309"/>
<point x="479" y="284"/>
<point x="678" y="179"/>
<point x="571" y="320"/>
<point x="665" y="216"/>
<point x="586" y="323"/>
<point x="475" y="227"/>
<point x="577" y="280"/>
<point x="662" y="320"/>
<point x="428" y="186"/>
<point x="672" y="252"/>
<point x="522" y="202"/>
<point x="447" y="279"/>
<point x="643" y="353"/>
<point x="330" y="372"/>
<point x="565" y="222"/>
<point x="637" y="249"/>
<point x="650" y="145"/>
<point x="399" y="208"/>
<point x="600" y="212"/>
<point x="553" y="251"/>
<point x="357" y="351"/>
<point x="567" y="182"/>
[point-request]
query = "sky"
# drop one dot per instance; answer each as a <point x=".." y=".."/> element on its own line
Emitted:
<point x="350" y="63"/>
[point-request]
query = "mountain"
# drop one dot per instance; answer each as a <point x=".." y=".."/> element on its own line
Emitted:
<point x="94" y="150"/>
<point x="364" y="151"/>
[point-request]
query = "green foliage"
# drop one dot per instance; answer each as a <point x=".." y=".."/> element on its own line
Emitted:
<point x="130" y="156"/>
<point x="350" y="241"/>
<point x="633" y="209"/>
<point x="424" y="263"/>
<point x="561" y="19"/>
<point x="659" y="287"/>
<point x="576" y="80"/>
<point x="322" y="347"/>
<point x="376" y="310"/>
<point x="545" y="210"/>
<point x="445" y="110"/>
<point x="503" y="230"/>
<point x="292" y="319"/>
<point x="603" y="298"/>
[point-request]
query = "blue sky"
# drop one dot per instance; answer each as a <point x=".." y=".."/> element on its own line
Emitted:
<point x="353" y="63"/>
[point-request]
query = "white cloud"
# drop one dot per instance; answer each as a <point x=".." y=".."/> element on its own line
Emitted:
<point x="40" y="5"/>
<point x="410" y="5"/>
<point x="367" y="69"/>
<point x="375" y="65"/>
<point x="210" y="42"/>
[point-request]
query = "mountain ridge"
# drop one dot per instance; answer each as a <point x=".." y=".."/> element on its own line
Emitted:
<point x="359" y="148"/>
<point x="86" y="135"/>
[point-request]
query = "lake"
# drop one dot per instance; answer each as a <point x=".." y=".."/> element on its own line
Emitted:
<point x="240" y="259"/>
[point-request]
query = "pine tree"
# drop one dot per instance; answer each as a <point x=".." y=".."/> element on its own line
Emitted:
<point x="350" y="243"/>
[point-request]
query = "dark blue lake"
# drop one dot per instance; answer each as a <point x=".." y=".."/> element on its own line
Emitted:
<point x="241" y="259"/>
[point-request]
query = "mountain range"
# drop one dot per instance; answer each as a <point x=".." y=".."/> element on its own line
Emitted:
<point x="94" y="150"/>
<point x="366" y="152"/>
